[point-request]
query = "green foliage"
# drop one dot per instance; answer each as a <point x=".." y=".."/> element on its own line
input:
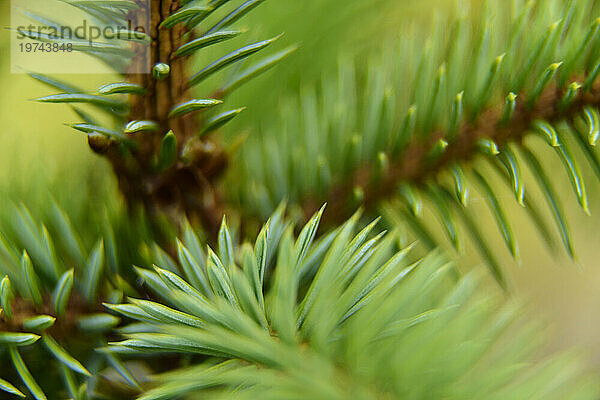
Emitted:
<point x="356" y="314"/>
<point x="349" y="317"/>
<point x="125" y="309"/>
<point x="419" y="116"/>
<point x="54" y="283"/>
<point x="205" y="21"/>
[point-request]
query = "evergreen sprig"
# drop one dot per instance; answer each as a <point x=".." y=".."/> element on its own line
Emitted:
<point x="145" y="107"/>
<point x="51" y="293"/>
<point x="350" y="315"/>
<point x="418" y="123"/>
<point x="354" y="313"/>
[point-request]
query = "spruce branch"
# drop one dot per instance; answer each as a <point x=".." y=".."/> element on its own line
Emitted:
<point x="351" y="313"/>
<point x="155" y="106"/>
<point x="415" y="165"/>
<point x="415" y="124"/>
<point x="51" y="296"/>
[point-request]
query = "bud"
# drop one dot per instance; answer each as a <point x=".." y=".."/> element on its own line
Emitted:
<point x="99" y="143"/>
<point x="160" y="71"/>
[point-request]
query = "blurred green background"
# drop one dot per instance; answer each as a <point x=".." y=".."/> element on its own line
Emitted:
<point x="40" y="157"/>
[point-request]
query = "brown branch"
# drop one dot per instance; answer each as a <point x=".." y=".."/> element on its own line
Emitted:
<point x="189" y="187"/>
<point x="415" y="168"/>
<point x="63" y="327"/>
